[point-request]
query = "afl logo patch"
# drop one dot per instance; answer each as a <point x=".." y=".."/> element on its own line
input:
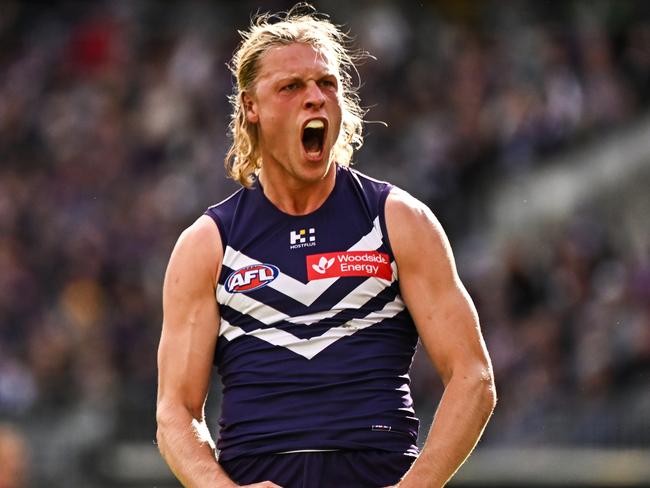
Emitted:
<point x="251" y="278"/>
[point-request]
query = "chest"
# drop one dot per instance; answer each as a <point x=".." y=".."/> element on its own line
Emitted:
<point x="300" y="266"/>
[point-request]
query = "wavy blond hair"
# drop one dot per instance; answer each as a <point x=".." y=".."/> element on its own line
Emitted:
<point x="303" y="25"/>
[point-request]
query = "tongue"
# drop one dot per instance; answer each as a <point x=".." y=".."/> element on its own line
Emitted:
<point x="311" y="143"/>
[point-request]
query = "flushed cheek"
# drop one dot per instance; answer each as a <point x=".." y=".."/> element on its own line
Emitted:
<point x="275" y="130"/>
<point x="336" y="125"/>
<point x="335" y="133"/>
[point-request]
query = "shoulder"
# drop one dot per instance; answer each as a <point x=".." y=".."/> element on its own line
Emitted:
<point x="229" y="202"/>
<point x="414" y="230"/>
<point x="198" y="250"/>
<point x="202" y="233"/>
<point x="223" y="213"/>
<point x="371" y="191"/>
<point x="366" y="181"/>
<point x="224" y="210"/>
<point x="404" y="210"/>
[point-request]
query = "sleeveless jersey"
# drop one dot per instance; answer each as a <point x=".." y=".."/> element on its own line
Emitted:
<point x="315" y="342"/>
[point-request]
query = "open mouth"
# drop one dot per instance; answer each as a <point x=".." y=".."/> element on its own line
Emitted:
<point x="313" y="136"/>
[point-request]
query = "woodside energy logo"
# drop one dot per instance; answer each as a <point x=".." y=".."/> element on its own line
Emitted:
<point x="349" y="263"/>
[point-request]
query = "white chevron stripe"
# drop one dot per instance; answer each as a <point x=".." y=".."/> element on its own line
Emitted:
<point x="230" y="332"/>
<point x="249" y="306"/>
<point x="366" y="290"/>
<point x="372" y="240"/>
<point x="305" y="293"/>
<point x="308" y="348"/>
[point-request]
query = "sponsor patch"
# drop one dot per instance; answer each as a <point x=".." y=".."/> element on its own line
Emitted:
<point x="349" y="263"/>
<point x="302" y="238"/>
<point x="251" y="278"/>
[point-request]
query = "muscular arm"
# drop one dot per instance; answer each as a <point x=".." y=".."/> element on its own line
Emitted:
<point x="185" y="354"/>
<point x="448" y="326"/>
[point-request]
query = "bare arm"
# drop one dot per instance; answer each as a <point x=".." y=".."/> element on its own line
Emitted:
<point x="185" y="355"/>
<point x="448" y="326"/>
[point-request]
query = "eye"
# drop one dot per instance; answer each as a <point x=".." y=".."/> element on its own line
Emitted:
<point x="328" y="83"/>
<point x="289" y="86"/>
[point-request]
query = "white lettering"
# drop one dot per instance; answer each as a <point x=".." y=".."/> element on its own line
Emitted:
<point x="366" y="268"/>
<point x="246" y="277"/>
<point x="237" y="280"/>
<point x="265" y="274"/>
<point x="372" y="258"/>
<point x="306" y="244"/>
<point x="250" y="275"/>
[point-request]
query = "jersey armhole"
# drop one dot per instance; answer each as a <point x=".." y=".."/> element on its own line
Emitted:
<point x="222" y="231"/>
<point x="383" y="189"/>
<point x="382" y="217"/>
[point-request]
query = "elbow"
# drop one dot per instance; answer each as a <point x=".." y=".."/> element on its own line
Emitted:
<point x="479" y="385"/>
<point x="168" y="419"/>
<point x="172" y="419"/>
<point x="487" y="390"/>
<point x="160" y="441"/>
<point x="163" y="420"/>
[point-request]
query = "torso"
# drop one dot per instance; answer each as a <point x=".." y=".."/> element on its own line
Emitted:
<point x="315" y="341"/>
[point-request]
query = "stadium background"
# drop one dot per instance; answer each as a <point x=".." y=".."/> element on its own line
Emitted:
<point x="524" y="125"/>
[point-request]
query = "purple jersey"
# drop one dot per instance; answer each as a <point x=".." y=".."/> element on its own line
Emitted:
<point x="315" y="342"/>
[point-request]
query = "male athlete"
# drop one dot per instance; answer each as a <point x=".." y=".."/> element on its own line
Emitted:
<point x="308" y="288"/>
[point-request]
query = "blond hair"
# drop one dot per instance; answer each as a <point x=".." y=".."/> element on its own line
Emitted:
<point x="299" y="25"/>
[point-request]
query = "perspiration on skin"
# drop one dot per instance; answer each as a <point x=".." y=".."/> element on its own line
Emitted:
<point x="296" y="82"/>
<point x="243" y="160"/>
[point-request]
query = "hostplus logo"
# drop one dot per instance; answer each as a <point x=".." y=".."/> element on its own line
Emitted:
<point x="302" y="238"/>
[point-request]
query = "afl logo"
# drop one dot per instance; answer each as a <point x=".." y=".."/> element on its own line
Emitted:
<point x="251" y="278"/>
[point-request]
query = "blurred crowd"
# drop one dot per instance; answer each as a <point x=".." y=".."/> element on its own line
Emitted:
<point x="113" y="124"/>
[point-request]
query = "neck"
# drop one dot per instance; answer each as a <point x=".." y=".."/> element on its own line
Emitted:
<point x="296" y="197"/>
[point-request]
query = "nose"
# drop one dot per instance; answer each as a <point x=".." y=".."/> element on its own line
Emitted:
<point x="314" y="98"/>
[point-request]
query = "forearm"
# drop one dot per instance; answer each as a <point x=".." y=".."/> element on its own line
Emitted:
<point x="462" y="414"/>
<point x="188" y="454"/>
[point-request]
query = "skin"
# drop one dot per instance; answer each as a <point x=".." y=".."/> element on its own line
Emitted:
<point x="187" y="345"/>
<point x="297" y="83"/>
<point x="448" y="326"/>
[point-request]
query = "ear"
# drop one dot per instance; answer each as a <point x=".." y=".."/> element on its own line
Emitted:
<point x="250" y="108"/>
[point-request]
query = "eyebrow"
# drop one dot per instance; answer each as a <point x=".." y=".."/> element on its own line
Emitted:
<point x="296" y="77"/>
